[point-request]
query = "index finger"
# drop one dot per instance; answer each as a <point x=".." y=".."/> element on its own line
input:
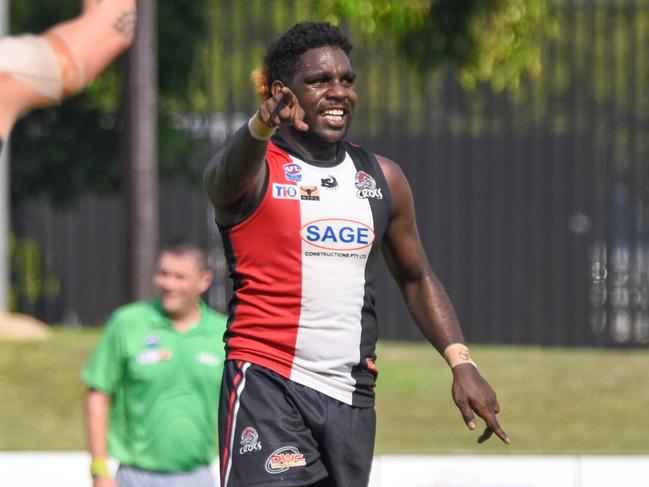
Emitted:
<point x="486" y="434"/>
<point x="283" y="100"/>
<point x="492" y="427"/>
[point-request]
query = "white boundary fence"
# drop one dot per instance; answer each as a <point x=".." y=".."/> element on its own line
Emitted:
<point x="70" y="469"/>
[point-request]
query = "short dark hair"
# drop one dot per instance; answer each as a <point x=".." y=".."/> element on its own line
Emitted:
<point x="183" y="246"/>
<point x="280" y="61"/>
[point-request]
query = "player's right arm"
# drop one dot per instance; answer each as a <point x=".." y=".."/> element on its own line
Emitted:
<point x="97" y="411"/>
<point x="235" y="177"/>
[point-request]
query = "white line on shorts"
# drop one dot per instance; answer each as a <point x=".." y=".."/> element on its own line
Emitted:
<point x="234" y="422"/>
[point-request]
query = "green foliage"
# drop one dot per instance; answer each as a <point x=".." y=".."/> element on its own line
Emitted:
<point x="506" y="41"/>
<point x="38" y="15"/>
<point x="65" y="151"/>
<point x="494" y="41"/>
<point x="181" y="157"/>
<point x="28" y="281"/>
<point x="183" y="27"/>
<point x="390" y="16"/>
<point x="555" y="59"/>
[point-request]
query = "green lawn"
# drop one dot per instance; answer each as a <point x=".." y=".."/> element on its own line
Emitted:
<point x="554" y="401"/>
<point x="41" y="396"/>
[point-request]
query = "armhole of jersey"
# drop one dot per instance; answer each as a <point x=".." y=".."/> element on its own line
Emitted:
<point x="372" y="161"/>
<point x="258" y="204"/>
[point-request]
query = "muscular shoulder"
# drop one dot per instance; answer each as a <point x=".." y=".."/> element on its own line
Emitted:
<point x="390" y="169"/>
<point x="396" y="179"/>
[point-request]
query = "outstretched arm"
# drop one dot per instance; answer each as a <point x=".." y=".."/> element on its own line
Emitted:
<point x="430" y="306"/>
<point x="40" y="70"/>
<point x="234" y="178"/>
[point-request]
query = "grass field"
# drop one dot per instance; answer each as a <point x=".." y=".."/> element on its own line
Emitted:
<point x="554" y="401"/>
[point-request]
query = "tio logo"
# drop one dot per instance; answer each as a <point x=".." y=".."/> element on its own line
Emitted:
<point x="285" y="192"/>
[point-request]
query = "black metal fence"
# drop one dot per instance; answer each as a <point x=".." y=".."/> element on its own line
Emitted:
<point x="533" y="206"/>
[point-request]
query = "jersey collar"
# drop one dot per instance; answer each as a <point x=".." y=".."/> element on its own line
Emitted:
<point x="284" y="145"/>
<point x="163" y="320"/>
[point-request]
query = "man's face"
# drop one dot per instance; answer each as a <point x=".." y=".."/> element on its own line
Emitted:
<point x="324" y="86"/>
<point x="179" y="281"/>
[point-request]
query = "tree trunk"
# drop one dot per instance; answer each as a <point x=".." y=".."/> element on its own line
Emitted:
<point x="141" y="181"/>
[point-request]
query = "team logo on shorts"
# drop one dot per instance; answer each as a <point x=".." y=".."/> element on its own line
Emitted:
<point x="293" y="171"/>
<point x="366" y="186"/>
<point x="284" y="458"/>
<point x="249" y="440"/>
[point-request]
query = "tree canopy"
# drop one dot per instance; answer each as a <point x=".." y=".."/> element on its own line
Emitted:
<point x="493" y="41"/>
<point x="64" y="151"/>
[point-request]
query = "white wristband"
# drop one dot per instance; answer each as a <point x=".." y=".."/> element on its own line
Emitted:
<point x="259" y="130"/>
<point x="458" y="353"/>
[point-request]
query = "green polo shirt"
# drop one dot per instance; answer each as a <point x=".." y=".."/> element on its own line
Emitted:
<point x="164" y="386"/>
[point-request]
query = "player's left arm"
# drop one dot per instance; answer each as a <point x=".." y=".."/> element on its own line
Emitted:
<point x="429" y="304"/>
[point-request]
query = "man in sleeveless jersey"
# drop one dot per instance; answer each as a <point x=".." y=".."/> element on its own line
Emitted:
<point x="305" y="217"/>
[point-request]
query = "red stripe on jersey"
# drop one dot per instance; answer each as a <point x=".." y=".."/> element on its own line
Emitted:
<point x="268" y="265"/>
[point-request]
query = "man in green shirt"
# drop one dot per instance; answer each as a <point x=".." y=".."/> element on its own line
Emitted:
<point x="154" y="379"/>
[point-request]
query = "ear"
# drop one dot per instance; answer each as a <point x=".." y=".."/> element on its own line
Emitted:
<point x="276" y="87"/>
<point x="205" y="281"/>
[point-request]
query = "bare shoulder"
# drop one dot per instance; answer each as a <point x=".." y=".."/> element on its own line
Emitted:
<point x="388" y="166"/>
<point x="394" y="176"/>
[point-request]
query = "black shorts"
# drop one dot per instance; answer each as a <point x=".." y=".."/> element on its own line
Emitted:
<point x="275" y="432"/>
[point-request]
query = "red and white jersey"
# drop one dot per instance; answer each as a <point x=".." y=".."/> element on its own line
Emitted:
<point x="303" y="266"/>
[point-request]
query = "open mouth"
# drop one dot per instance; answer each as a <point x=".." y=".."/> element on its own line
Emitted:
<point x="334" y="116"/>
